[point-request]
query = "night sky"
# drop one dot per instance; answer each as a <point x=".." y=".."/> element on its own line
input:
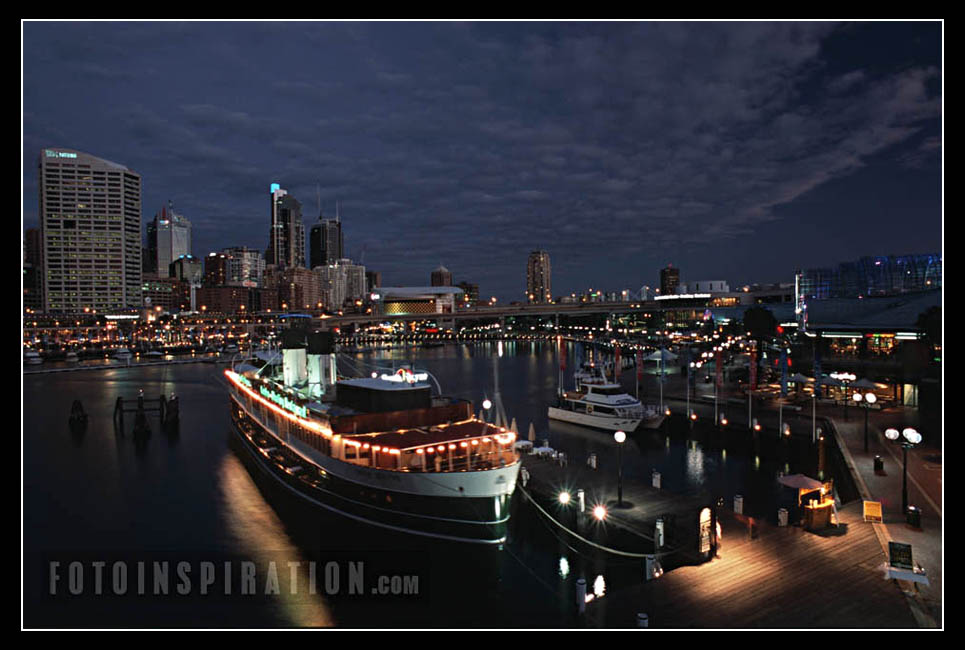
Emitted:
<point x="735" y="151"/>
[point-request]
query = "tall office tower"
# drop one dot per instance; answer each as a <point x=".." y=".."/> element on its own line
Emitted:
<point x="286" y="240"/>
<point x="441" y="277"/>
<point x="168" y="238"/>
<point x="246" y="266"/>
<point x="326" y="245"/>
<point x="90" y="224"/>
<point x="669" y="280"/>
<point x="373" y="279"/>
<point x="538" y="286"/>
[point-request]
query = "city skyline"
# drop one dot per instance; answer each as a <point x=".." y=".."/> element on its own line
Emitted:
<point x="727" y="149"/>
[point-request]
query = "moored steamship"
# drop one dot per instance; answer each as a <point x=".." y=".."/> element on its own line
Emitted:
<point x="382" y="450"/>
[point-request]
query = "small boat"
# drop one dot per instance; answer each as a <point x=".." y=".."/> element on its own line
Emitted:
<point x="72" y="357"/>
<point x="32" y="358"/>
<point x="601" y="404"/>
<point x="122" y="353"/>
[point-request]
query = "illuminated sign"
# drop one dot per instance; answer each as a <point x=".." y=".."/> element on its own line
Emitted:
<point x="403" y="375"/>
<point x="59" y="154"/>
<point x="275" y="187"/>
<point x="284" y="402"/>
<point x="872" y="511"/>
<point x="682" y="296"/>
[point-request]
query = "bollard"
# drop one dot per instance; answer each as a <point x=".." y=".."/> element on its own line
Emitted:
<point x="782" y="517"/>
<point x="643" y="620"/>
<point x="581" y="595"/>
<point x="739" y="504"/>
<point x="879" y="465"/>
<point x="658" y="534"/>
<point x="591" y="461"/>
<point x="581" y="498"/>
<point x="655" y="479"/>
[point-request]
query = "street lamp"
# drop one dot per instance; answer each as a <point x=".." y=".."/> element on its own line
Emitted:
<point x="620" y="437"/>
<point x="911" y="438"/>
<point x="869" y="399"/>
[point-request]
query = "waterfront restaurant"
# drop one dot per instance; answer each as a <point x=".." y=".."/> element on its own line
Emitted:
<point x="878" y="340"/>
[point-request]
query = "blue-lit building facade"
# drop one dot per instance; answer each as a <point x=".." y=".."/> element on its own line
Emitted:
<point x="873" y="276"/>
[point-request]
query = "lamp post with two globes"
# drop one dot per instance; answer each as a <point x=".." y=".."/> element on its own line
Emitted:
<point x="911" y="438"/>
<point x="868" y="399"/>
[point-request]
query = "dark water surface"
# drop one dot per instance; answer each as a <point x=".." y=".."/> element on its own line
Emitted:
<point x="103" y="497"/>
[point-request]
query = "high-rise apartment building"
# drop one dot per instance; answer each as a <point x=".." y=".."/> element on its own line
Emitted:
<point x="215" y="270"/>
<point x="341" y="282"/>
<point x="538" y="286"/>
<point x="246" y="266"/>
<point x="286" y="239"/>
<point x="90" y="224"/>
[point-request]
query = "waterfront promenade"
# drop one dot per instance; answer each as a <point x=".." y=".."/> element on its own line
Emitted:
<point x="924" y="603"/>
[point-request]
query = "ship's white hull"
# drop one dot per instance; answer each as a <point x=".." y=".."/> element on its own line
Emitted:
<point x="436" y="505"/>
<point x="608" y="422"/>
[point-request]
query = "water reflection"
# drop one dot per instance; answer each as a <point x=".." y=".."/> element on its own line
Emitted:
<point x="260" y="535"/>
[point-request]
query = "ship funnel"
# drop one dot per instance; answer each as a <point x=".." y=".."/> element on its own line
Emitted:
<point x="321" y="364"/>
<point x="293" y="357"/>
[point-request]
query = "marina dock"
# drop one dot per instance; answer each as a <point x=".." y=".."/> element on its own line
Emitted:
<point x="782" y="577"/>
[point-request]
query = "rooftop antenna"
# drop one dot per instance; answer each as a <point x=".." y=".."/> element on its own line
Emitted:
<point x="318" y="199"/>
<point x="337" y="217"/>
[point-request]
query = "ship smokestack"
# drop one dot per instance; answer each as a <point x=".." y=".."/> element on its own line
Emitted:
<point x="294" y="359"/>
<point x="321" y="364"/>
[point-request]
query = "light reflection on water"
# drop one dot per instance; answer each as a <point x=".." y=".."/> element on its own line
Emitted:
<point x="256" y="527"/>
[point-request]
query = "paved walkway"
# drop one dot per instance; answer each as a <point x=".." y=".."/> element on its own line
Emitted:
<point x="924" y="478"/>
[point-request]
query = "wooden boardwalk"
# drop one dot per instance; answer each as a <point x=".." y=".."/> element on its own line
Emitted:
<point x="783" y="578"/>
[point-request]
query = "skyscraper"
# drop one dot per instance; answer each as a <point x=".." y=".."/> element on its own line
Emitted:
<point x="538" y="285"/>
<point x="669" y="280"/>
<point x="325" y="243"/>
<point x="286" y="239"/>
<point x="168" y="238"/>
<point x="90" y="223"/>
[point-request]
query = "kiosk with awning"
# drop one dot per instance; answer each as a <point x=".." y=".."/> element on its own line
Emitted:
<point x="814" y="500"/>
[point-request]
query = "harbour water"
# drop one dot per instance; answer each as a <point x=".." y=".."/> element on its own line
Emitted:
<point x="104" y="497"/>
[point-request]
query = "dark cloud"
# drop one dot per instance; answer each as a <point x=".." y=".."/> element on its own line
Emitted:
<point x="616" y="146"/>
